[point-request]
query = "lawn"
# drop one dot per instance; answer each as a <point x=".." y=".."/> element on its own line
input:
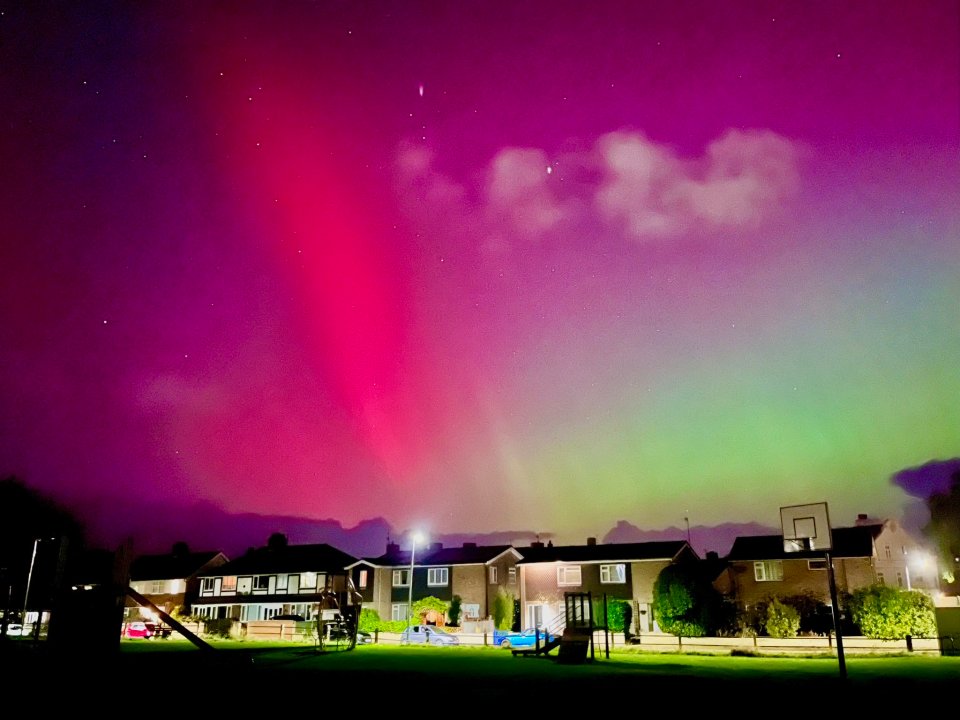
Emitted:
<point x="237" y="675"/>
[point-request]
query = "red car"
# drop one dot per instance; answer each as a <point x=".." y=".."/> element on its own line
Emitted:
<point x="137" y="630"/>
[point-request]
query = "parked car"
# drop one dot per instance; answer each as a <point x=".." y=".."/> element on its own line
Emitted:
<point x="427" y="634"/>
<point x="16" y="630"/>
<point x="138" y="629"/>
<point x="521" y="639"/>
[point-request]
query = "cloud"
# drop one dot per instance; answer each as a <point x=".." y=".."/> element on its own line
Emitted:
<point x="742" y="179"/>
<point x="935" y="476"/>
<point x="518" y="192"/>
<point x="637" y="187"/>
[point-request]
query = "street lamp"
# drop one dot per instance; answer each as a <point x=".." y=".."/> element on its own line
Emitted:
<point x="414" y="539"/>
<point x="26" y="593"/>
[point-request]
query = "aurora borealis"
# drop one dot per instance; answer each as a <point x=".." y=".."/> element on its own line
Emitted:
<point x="481" y="266"/>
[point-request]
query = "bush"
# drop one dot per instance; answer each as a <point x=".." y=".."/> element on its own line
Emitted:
<point x="889" y="613"/>
<point x="219" y="627"/>
<point x="685" y="602"/>
<point x="618" y="614"/>
<point x="782" y="620"/>
<point x="369" y="620"/>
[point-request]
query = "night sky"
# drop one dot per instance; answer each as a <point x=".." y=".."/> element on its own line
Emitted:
<point x="480" y="266"/>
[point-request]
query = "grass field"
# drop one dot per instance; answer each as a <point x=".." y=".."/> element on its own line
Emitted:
<point x="236" y="676"/>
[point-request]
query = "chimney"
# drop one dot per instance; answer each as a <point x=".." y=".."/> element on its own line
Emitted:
<point x="469" y="545"/>
<point x="392" y="548"/>
<point x="591" y="541"/>
<point x="434" y="547"/>
<point x="536" y="543"/>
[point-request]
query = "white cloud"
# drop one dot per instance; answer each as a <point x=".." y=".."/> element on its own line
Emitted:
<point x="642" y="188"/>
<point x="742" y="179"/>
<point x="518" y="192"/>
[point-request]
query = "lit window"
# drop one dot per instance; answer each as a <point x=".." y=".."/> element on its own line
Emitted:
<point x="281" y="582"/>
<point x="768" y="571"/>
<point x="362" y="580"/>
<point x="308" y="581"/>
<point x="156" y="586"/>
<point x="229" y="584"/>
<point x="568" y="575"/>
<point x="437" y="577"/>
<point x="401" y="578"/>
<point x="613" y="573"/>
<point x="398" y="611"/>
<point x="493" y="573"/>
<point x="261" y="582"/>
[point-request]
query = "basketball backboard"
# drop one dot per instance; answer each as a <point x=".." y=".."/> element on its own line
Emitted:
<point x="806" y="527"/>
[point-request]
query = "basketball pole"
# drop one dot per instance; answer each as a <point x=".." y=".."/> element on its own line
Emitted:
<point x="836" y="615"/>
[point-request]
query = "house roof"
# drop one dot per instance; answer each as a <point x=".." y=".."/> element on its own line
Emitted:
<point x="467" y="554"/>
<point x="171" y="565"/>
<point x="291" y="558"/>
<point x="657" y="550"/>
<point x="848" y="542"/>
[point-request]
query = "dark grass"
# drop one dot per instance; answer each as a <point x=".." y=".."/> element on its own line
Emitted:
<point x="237" y="677"/>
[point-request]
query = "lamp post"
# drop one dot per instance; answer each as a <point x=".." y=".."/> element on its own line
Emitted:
<point x="413" y="550"/>
<point x="26" y="593"/>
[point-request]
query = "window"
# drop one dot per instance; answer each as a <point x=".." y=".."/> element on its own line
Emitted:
<point x="613" y="573"/>
<point x="362" y="579"/>
<point x="156" y="586"/>
<point x="568" y="575"/>
<point x="816" y="564"/>
<point x="769" y="571"/>
<point x="206" y="585"/>
<point x="886" y="550"/>
<point x="401" y="578"/>
<point x="398" y="611"/>
<point x="261" y="582"/>
<point x="493" y="573"/>
<point x="229" y="584"/>
<point x="899" y="579"/>
<point x="438" y="577"/>
<point x="512" y="575"/>
<point x="308" y="581"/>
<point x="880" y="579"/>
<point x="281" y="582"/>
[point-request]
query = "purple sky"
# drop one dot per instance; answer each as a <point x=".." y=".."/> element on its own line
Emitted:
<point x="479" y="267"/>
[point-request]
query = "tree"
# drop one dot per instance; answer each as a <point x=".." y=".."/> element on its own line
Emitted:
<point x="277" y="541"/>
<point x="685" y="602"/>
<point x="503" y="610"/>
<point x="944" y="526"/>
<point x="454" y="611"/>
<point x="889" y="613"/>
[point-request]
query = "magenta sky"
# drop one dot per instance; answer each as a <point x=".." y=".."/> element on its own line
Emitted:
<point x="481" y="266"/>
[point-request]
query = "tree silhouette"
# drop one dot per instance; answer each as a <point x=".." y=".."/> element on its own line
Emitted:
<point x="944" y="526"/>
<point x="277" y="541"/>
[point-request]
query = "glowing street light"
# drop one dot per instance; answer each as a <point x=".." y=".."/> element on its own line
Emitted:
<point x="414" y="539"/>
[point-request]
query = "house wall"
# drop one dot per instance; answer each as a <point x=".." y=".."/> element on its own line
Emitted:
<point x="509" y="584"/>
<point x="849" y="574"/>
<point x="470" y="583"/>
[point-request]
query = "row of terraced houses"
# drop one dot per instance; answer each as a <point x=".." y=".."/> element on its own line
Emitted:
<point x="281" y="579"/>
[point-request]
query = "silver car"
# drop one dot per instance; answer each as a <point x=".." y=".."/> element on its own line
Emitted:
<point x="427" y="634"/>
